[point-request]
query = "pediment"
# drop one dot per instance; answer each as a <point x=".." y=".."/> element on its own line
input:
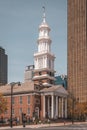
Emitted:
<point x="55" y="89"/>
<point x="61" y="89"/>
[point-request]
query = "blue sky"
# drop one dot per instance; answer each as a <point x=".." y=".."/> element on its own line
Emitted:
<point x="19" y="22"/>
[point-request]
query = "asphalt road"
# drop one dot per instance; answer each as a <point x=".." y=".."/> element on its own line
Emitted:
<point x="70" y="127"/>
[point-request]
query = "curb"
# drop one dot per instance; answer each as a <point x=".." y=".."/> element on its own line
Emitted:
<point x="44" y="125"/>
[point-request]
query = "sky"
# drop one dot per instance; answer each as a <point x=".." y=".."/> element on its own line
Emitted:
<point x="19" y="22"/>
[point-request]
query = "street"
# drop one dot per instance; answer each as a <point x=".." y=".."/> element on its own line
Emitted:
<point x="69" y="127"/>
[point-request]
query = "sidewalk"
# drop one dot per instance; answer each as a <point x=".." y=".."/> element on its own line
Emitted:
<point x="43" y="125"/>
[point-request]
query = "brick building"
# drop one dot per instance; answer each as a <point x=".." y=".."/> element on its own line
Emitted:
<point x="48" y="102"/>
<point x="77" y="49"/>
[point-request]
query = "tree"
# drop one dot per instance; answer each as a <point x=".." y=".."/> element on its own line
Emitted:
<point x="76" y="109"/>
<point x="71" y="108"/>
<point x="81" y="110"/>
<point x="3" y="104"/>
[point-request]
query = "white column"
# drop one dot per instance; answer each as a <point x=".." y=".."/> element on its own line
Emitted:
<point x="41" y="46"/>
<point x="52" y="106"/>
<point x="46" y="46"/>
<point x="38" y="47"/>
<point x="56" y="106"/>
<point x="59" y="114"/>
<point x="65" y="107"/>
<point x="46" y="64"/>
<point x="44" y="106"/>
<point x="62" y="108"/>
<point x="43" y="62"/>
<point x="37" y="63"/>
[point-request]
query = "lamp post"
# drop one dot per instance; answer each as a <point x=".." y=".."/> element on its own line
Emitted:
<point x="12" y="85"/>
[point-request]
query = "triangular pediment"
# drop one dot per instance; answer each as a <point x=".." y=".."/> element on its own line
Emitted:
<point x="56" y="89"/>
<point x="61" y="89"/>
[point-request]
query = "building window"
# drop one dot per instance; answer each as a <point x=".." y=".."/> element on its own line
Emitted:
<point x="40" y="63"/>
<point x="36" y="87"/>
<point x="20" y="111"/>
<point x="37" y="101"/>
<point x="13" y="100"/>
<point x="28" y="99"/>
<point x="13" y="111"/>
<point x="49" y="63"/>
<point x="28" y="111"/>
<point x="6" y="112"/>
<point x="20" y="100"/>
<point x="39" y="73"/>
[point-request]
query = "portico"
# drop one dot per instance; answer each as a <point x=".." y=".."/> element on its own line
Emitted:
<point x="54" y="102"/>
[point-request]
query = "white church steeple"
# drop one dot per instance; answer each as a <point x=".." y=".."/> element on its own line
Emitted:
<point x="44" y="40"/>
<point x="44" y="59"/>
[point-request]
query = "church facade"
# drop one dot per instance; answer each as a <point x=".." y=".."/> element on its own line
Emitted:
<point x="40" y="97"/>
<point x="44" y="76"/>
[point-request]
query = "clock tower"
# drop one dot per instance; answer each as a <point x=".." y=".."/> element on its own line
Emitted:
<point x="44" y="59"/>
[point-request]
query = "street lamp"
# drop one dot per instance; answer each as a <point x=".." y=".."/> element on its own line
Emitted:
<point x="12" y="85"/>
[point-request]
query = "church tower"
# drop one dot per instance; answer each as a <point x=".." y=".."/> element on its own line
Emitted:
<point x="44" y="59"/>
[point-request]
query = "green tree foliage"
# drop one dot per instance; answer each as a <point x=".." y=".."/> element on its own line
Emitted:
<point x="3" y="104"/>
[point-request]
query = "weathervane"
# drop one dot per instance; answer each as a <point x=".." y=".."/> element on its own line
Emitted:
<point x="43" y="9"/>
<point x="44" y="14"/>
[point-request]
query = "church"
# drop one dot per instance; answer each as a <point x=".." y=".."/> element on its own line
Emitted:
<point x="39" y="97"/>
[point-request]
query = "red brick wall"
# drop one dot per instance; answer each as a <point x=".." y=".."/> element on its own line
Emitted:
<point x="17" y="106"/>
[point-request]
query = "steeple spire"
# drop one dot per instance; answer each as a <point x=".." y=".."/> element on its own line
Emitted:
<point x="44" y="16"/>
<point x="44" y="59"/>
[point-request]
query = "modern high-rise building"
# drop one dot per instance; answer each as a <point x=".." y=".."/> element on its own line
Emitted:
<point x="3" y="66"/>
<point x="77" y="49"/>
